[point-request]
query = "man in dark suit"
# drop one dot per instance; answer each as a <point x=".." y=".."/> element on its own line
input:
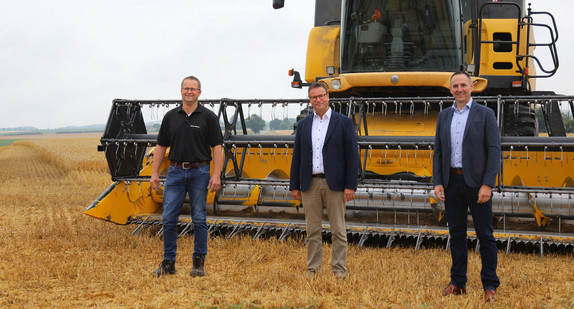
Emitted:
<point x="465" y="164"/>
<point x="324" y="171"/>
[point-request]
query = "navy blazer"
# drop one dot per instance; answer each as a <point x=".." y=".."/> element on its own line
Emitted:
<point x="480" y="147"/>
<point x="340" y="154"/>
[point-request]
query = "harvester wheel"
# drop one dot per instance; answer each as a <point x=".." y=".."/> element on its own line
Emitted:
<point x="519" y="121"/>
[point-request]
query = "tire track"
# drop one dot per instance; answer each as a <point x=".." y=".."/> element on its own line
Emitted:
<point x="24" y="162"/>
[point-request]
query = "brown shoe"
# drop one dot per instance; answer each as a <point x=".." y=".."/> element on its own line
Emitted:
<point x="453" y="289"/>
<point x="489" y="296"/>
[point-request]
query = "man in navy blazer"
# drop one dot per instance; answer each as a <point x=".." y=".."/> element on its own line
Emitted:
<point x="465" y="165"/>
<point x="324" y="172"/>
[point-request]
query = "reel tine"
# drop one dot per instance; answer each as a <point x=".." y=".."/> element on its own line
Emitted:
<point x="137" y="229"/>
<point x="260" y="230"/>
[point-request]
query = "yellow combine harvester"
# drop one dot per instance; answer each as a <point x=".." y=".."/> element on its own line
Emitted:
<point x="387" y="65"/>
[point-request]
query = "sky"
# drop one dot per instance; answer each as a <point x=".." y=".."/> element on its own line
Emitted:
<point x="62" y="62"/>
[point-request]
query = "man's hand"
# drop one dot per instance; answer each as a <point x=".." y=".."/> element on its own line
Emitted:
<point x="484" y="194"/>
<point x="214" y="183"/>
<point x="296" y="194"/>
<point x="349" y="195"/>
<point x="154" y="181"/>
<point x="215" y="180"/>
<point x="439" y="192"/>
<point x="158" y="155"/>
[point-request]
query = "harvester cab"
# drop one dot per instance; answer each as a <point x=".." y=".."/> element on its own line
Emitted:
<point x="406" y="48"/>
<point x="387" y="65"/>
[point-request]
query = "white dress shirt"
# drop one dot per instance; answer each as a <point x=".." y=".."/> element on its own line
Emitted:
<point x="318" y="133"/>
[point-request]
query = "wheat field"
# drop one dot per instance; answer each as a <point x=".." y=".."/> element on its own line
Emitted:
<point x="55" y="256"/>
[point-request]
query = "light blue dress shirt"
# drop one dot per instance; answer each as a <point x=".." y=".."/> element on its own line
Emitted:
<point x="457" y="127"/>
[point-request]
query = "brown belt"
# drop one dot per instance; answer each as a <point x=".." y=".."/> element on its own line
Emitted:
<point x="457" y="171"/>
<point x="188" y="165"/>
<point x="321" y="175"/>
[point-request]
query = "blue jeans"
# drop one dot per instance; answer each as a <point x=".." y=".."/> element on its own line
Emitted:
<point x="180" y="182"/>
<point x="459" y="198"/>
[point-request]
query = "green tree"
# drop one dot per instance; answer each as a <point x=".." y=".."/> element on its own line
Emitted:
<point x="568" y="122"/>
<point x="284" y="124"/>
<point x="255" y="123"/>
<point x="274" y="124"/>
<point x="155" y="127"/>
<point x="566" y="118"/>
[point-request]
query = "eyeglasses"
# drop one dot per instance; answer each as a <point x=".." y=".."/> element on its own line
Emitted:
<point x="318" y="97"/>
<point x="189" y="89"/>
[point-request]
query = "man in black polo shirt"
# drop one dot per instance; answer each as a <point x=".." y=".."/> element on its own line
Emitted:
<point x="191" y="132"/>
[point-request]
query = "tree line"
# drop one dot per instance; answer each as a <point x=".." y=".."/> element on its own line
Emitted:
<point x="257" y="124"/>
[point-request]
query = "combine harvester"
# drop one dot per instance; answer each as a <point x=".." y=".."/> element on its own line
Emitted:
<point x="387" y="65"/>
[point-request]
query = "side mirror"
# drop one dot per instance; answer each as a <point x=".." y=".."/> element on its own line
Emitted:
<point x="277" y="4"/>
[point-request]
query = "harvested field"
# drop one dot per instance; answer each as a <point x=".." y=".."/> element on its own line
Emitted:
<point x="55" y="256"/>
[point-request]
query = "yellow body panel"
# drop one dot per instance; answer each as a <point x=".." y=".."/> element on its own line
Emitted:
<point x="322" y="51"/>
<point x="404" y="79"/>
<point x="488" y="55"/>
<point x="468" y="56"/>
<point x="124" y="201"/>
<point x="538" y="169"/>
<point x="266" y="163"/>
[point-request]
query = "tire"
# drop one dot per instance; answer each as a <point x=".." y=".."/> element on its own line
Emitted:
<point x="519" y="121"/>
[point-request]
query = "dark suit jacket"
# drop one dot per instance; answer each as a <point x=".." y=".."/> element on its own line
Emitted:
<point x="340" y="154"/>
<point x="480" y="147"/>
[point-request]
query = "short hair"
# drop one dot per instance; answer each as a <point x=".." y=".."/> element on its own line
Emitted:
<point x="191" y="77"/>
<point x="461" y="73"/>
<point x="317" y="85"/>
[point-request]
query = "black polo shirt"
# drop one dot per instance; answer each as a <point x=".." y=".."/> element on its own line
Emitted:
<point x="190" y="138"/>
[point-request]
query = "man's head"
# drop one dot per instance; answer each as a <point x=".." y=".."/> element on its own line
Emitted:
<point x="319" y="97"/>
<point x="190" y="89"/>
<point x="461" y="87"/>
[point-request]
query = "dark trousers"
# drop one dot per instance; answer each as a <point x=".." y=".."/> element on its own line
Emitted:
<point x="460" y="198"/>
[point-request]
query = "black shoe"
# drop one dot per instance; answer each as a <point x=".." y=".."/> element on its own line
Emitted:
<point x="165" y="268"/>
<point x="198" y="270"/>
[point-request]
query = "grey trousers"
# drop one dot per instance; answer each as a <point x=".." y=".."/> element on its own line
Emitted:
<point x="313" y="200"/>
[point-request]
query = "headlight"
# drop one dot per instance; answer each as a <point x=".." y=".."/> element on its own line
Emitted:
<point x="330" y="70"/>
<point x="336" y="84"/>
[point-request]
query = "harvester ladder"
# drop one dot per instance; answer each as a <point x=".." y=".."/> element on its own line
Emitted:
<point x="527" y="22"/>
